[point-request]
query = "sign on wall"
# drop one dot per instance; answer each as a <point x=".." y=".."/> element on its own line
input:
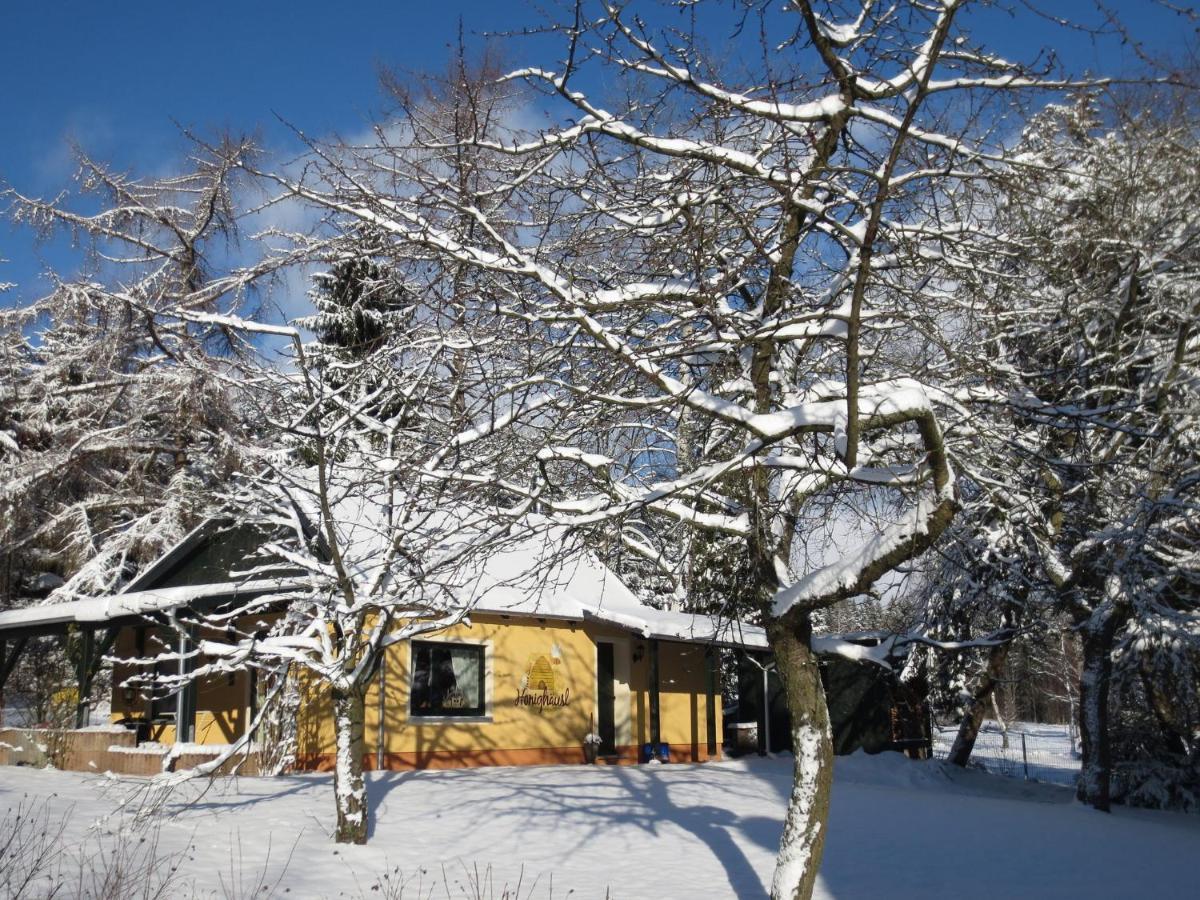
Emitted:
<point x="544" y="684"/>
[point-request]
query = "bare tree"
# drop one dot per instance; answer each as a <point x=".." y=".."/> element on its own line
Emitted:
<point x="727" y="262"/>
<point x="363" y="544"/>
<point x="112" y="425"/>
<point x="354" y="553"/>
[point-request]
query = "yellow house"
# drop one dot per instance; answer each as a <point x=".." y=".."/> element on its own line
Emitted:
<point x="537" y="666"/>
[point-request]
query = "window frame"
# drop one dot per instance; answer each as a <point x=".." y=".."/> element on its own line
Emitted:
<point x="484" y="713"/>
<point x="160" y="708"/>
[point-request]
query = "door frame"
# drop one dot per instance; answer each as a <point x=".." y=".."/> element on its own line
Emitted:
<point x="608" y="743"/>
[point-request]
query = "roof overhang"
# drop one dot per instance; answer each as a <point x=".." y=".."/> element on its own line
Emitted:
<point x="134" y="607"/>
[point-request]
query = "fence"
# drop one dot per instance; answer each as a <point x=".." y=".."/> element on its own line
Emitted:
<point x="1030" y="750"/>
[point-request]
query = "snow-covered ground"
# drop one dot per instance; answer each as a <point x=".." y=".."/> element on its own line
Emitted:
<point x="898" y="829"/>
<point x="15" y="714"/>
<point x="1036" y="751"/>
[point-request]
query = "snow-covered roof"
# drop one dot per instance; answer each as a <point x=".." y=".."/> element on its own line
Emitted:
<point x="538" y="570"/>
<point x="536" y="575"/>
<point x="98" y="610"/>
<point x="516" y="580"/>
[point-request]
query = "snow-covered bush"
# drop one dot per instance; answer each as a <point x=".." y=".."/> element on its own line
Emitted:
<point x="1157" y="783"/>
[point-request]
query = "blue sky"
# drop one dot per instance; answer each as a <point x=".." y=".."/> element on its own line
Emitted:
<point x="121" y="78"/>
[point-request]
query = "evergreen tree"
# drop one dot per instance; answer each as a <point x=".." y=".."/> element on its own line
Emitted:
<point x="1090" y="446"/>
<point x="357" y="305"/>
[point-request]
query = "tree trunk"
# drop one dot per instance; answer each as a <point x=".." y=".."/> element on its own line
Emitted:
<point x="1095" y="681"/>
<point x="804" y="828"/>
<point x="968" y="729"/>
<point x="349" y="715"/>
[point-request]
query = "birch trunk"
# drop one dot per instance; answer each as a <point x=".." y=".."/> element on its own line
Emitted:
<point x="972" y="721"/>
<point x="803" y="841"/>
<point x="1068" y="681"/>
<point x="349" y="717"/>
<point x="999" y="720"/>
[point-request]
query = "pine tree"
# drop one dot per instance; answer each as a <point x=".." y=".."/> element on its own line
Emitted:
<point x="357" y="305"/>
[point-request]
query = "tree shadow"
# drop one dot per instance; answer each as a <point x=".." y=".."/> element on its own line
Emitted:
<point x="233" y="798"/>
<point x="379" y="787"/>
<point x="588" y="801"/>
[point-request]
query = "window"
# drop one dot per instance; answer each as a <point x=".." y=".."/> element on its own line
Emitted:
<point x="447" y="679"/>
<point x="162" y="702"/>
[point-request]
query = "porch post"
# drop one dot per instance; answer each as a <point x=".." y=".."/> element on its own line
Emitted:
<point x="655" y="736"/>
<point x="83" y="673"/>
<point x="710" y="699"/>
<point x="764" y="709"/>
<point x="251" y="694"/>
<point x="185" y="700"/>
<point x="381" y="729"/>
<point x="765" y="738"/>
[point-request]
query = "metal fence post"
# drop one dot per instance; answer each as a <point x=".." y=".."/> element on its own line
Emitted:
<point x="1025" y="755"/>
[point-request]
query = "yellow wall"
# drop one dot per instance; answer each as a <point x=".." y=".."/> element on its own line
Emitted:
<point x="222" y="702"/>
<point x="510" y="733"/>
<point x="681" y="700"/>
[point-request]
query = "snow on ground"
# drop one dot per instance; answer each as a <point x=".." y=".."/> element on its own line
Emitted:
<point x="15" y="714"/>
<point x="898" y="829"/>
<point x="1034" y="751"/>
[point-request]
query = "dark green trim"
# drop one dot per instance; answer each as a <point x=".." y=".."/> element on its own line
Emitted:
<point x="252" y="679"/>
<point x="655" y="727"/>
<point x="710" y="698"/>
<point x="157" y="572"/>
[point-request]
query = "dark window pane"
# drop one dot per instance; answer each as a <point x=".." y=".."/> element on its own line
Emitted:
<point x="447" y="679"/>
<point x="162" y="703"/>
